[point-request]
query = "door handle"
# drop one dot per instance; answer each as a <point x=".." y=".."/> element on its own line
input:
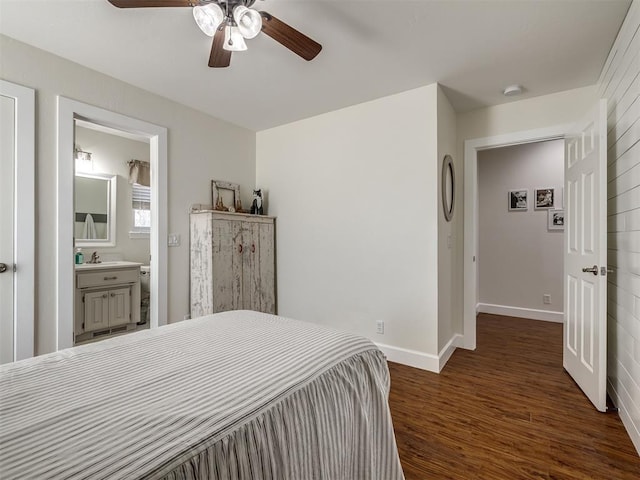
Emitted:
<point x="593" y="270"/>
<point x="3" y="267"/>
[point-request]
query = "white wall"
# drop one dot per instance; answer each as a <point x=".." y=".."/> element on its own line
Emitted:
<point x="519" y="259"/>
<point x="200" y="148"/>
<point x="449" y="233"/>
<point x="355" y="193"/>
<point x="620" y="85"/>
<point x="110" y="154"/>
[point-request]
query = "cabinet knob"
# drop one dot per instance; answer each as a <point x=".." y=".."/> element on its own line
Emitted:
<point x="113" y="294"/>
<point x="104" y="295"/>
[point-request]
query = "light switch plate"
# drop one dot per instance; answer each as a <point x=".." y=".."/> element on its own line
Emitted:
<point x="174" y="239"/>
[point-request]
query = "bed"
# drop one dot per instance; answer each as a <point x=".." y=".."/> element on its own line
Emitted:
<point x="235" y="395"/>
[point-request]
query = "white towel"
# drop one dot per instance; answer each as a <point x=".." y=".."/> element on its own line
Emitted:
<point x="89" y="230"/>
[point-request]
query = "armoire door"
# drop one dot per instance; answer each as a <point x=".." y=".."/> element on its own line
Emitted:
<point x="228" y="255"/>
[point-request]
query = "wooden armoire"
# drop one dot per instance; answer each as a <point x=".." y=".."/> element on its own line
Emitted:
<point x="232" y="261"/>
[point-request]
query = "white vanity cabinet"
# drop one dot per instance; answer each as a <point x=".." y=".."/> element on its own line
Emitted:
<point x="107" y="299"/>
<point x="104" y="309"/>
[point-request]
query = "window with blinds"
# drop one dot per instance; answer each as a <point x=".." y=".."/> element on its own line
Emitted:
<point x="141" y="207"/>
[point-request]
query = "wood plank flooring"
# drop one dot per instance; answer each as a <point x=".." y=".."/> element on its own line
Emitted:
<point x="506" y="411"/>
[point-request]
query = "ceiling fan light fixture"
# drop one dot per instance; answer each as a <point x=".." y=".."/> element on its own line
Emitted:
<point x="233" y="40"/>
<point x="249" y="21"/>
<point x="208" y="17"/>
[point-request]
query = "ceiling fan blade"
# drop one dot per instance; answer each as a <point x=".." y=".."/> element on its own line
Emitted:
<point x="219" y="58"/>
<point x="153" y="3"/>
<point x="288" y="36"/>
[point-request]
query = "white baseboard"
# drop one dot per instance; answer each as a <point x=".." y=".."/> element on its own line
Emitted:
<point x="411" y="358"/>
<point x="624" y="414"/>
<point x="530" y="313"/>
<point x="445" y="354"/>
<point x="424" y="361"/>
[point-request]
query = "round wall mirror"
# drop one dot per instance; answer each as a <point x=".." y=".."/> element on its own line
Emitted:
<point x="448" y="187"/>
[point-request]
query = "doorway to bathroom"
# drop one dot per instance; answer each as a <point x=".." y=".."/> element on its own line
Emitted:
<point x="69" y="111"/>
<point x="112" y="225"/>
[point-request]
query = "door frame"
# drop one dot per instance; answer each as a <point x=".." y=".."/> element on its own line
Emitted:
<point x="24" y="219"/>
<point x="68" y="111"/>
<point x="470" y="249"/>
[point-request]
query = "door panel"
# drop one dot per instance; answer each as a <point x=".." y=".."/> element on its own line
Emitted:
<point x="267" y="269"/>
<point x="7" y="194"/>
<point x="585" y="328"/>
<point x="17" y="200"/>
<point x="119" y="306"/>
<point x="96" y="311"/>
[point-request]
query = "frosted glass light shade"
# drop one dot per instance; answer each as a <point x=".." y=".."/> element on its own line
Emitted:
<point x="233" y="40"/>
<point x="208" y="17"/>
<point x="249" y="21"/>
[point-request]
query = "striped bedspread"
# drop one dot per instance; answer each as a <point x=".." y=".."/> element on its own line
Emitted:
<point x="235" y="395"/>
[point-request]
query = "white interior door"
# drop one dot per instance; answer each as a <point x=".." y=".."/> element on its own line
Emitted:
<point x="17" y="221"/>
<point x="585" y="326"/>
<point x="7" y="175"/>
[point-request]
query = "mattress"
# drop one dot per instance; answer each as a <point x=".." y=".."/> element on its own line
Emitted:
<point x="234" y="395"/>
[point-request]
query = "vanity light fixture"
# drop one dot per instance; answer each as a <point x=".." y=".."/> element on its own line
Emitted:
<point x="83" y="160"/>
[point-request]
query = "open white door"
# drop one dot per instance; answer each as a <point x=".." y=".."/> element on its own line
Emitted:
<point x="585" y="259"/>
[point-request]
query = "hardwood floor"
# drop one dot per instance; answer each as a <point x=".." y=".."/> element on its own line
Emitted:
<point x="506" y="411"/>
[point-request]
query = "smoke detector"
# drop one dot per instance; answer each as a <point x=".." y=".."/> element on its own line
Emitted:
<point x="512" y="90"/>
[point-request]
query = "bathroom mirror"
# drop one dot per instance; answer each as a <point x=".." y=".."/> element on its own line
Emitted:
<point x="448" y="187"/>
<point x="95" y="210"/>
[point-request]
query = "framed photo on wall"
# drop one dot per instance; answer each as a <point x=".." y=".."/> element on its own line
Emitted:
<point x="544" y="198"/>
<point x="555" y="220"/>
<point x="518" y="201"/>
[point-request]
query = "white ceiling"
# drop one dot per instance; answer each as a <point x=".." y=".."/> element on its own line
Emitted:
<point x="371" y="49"/>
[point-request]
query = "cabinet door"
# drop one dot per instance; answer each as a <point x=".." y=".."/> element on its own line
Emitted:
<point x="119" y="306"/>
<point x="259" y="268"/>
<point x="96" y="311"/>
<point x="266" y="265"/>
<point x="250" y="299"/>
<point x="228" y="252"/>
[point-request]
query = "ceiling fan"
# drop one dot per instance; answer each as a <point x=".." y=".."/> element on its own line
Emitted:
<point x="229" y="22"/>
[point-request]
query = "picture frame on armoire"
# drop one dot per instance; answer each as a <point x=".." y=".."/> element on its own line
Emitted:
<point x="225" y="196"/>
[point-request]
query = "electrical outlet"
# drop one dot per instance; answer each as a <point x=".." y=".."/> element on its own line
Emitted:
<point x="380" y="327"/>
<point x="546" y="299"/>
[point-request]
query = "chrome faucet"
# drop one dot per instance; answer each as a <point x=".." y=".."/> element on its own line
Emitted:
<point x="95" y="258"/>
